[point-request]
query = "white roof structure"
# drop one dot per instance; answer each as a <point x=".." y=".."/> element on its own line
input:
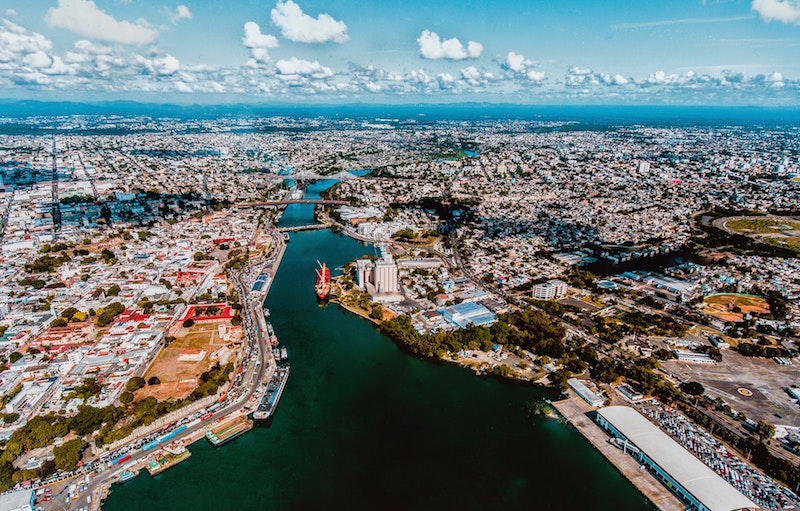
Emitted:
<point x="691" y="473"/>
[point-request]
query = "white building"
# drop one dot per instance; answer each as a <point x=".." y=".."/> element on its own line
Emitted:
<point x="550" y="290"/>
<point x="377" y="277"/>
<point x="384" y="275"/>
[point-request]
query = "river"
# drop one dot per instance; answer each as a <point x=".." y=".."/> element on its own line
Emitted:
<point x="363" y="425"/>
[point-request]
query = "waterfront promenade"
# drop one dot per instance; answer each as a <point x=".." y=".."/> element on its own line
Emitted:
<point x="575" y="410"/>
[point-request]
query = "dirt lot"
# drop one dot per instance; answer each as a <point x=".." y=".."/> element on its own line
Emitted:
<point x="179" y="378"/>
<point x="720" y="306"/>
<point x="763" y="377"/>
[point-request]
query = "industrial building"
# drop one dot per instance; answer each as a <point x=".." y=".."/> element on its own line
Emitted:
<point x="465" y="313"/>
<point x="592" y="398"/>
<point x="685" y="475"/>
<point x="377" y="277"/>
<point x="23" y="500"/>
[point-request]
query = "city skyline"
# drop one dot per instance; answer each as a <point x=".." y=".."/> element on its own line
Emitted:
<point x="695" y="53"/>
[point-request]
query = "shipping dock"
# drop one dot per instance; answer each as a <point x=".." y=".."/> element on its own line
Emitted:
<point x="228" y="430"/>
<point x="168" y="457"/>
<point x="272" y="394"/>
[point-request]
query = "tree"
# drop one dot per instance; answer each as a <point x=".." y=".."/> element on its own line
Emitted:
<point x="135" y="383"/>
<point x="14" y="356"/>
<point x="107" y="314"/>
<point x="765" y="430"/>
<point x="153" y="380"/>
<point x="113" y="290"/>
<point x="126" y="397"/>
<point x="188" y="323"/>
<point x="693" y="388"/>
<point x="377" y="312"/>
<point x="68" y="455"/>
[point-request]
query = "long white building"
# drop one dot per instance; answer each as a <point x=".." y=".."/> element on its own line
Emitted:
<point x="688" y="477"/>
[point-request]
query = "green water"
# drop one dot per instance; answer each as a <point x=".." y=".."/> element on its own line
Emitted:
<point x="362" y="425"/>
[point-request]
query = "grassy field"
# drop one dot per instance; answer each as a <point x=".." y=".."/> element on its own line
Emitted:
<point x="762" y="225"/>
<point x="722" y="306"/>
<point x="179" y="378"/>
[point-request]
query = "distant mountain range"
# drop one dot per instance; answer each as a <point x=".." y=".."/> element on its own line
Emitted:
<point x="590" y="114"/>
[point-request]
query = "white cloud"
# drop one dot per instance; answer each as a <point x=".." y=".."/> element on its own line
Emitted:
<point x="166" y="65"/>
<point x="295" y="67"/>
<point x="181" y="13"/>
<point x="517" y="62"/>
<point x="11" y="13"/>
<point x="299" y="27"/>
<point x="470" y="74"/>
<point x="83" y="17"/>
<point x="446" y="80"/>
<point x="785" y="11"/>
<point x="258" y="43"/>
<point x="17" y="42"/>
<point x="536" y="76"/>
<point x="37" y="59"/>
<point x="581" y="76"/>
<point x="182" y="87"/>
<point x="432" y="47"/>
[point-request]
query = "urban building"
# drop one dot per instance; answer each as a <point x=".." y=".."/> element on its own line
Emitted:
<point x="550" y="290"/>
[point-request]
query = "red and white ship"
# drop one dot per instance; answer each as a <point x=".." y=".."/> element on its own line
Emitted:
<point x="323" y="286"/>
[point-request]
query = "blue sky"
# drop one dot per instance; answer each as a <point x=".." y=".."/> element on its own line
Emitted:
<point x="309" y="51"/>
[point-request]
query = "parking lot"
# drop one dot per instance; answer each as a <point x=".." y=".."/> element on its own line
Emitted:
<point x="763" y="377"/>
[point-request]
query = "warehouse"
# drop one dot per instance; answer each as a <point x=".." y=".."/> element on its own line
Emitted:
<point x="699" y="486"/>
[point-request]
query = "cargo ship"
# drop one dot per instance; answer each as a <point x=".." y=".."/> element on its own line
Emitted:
<point x="269" y="402"/>
<point x="323" y="287"/>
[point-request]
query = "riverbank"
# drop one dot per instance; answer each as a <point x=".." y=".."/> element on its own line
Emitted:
<point x="575" y="411"/>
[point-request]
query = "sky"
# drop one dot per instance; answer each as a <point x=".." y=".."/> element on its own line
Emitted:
<point x="676" y="52"/>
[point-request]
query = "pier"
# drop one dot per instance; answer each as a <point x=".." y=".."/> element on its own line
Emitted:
<point x="575" y="410"/>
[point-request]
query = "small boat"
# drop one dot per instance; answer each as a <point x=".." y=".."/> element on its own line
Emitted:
<point x="127" y="475"/>
<point x="284" y="354"/>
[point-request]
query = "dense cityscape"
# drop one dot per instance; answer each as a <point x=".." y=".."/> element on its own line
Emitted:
<point x="364" y="255"/>
<point x="650" y="267"/>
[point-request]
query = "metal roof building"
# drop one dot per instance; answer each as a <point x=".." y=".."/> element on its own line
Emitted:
<point x="676" y="467"/>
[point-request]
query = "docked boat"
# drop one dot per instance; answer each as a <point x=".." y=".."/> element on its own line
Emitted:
<point x="284" y="354"/>
<point x="269" y="402"/>
<point x="127" y="475"/>
<point x="323" y="286"/>
<point x="276" y="353"/>
<point x="227" y="431"/>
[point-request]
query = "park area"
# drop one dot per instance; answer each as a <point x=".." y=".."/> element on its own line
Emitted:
<point x="195" y="350"/>
<point x="778" y="231"/>
<point x="733" y="306"/>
